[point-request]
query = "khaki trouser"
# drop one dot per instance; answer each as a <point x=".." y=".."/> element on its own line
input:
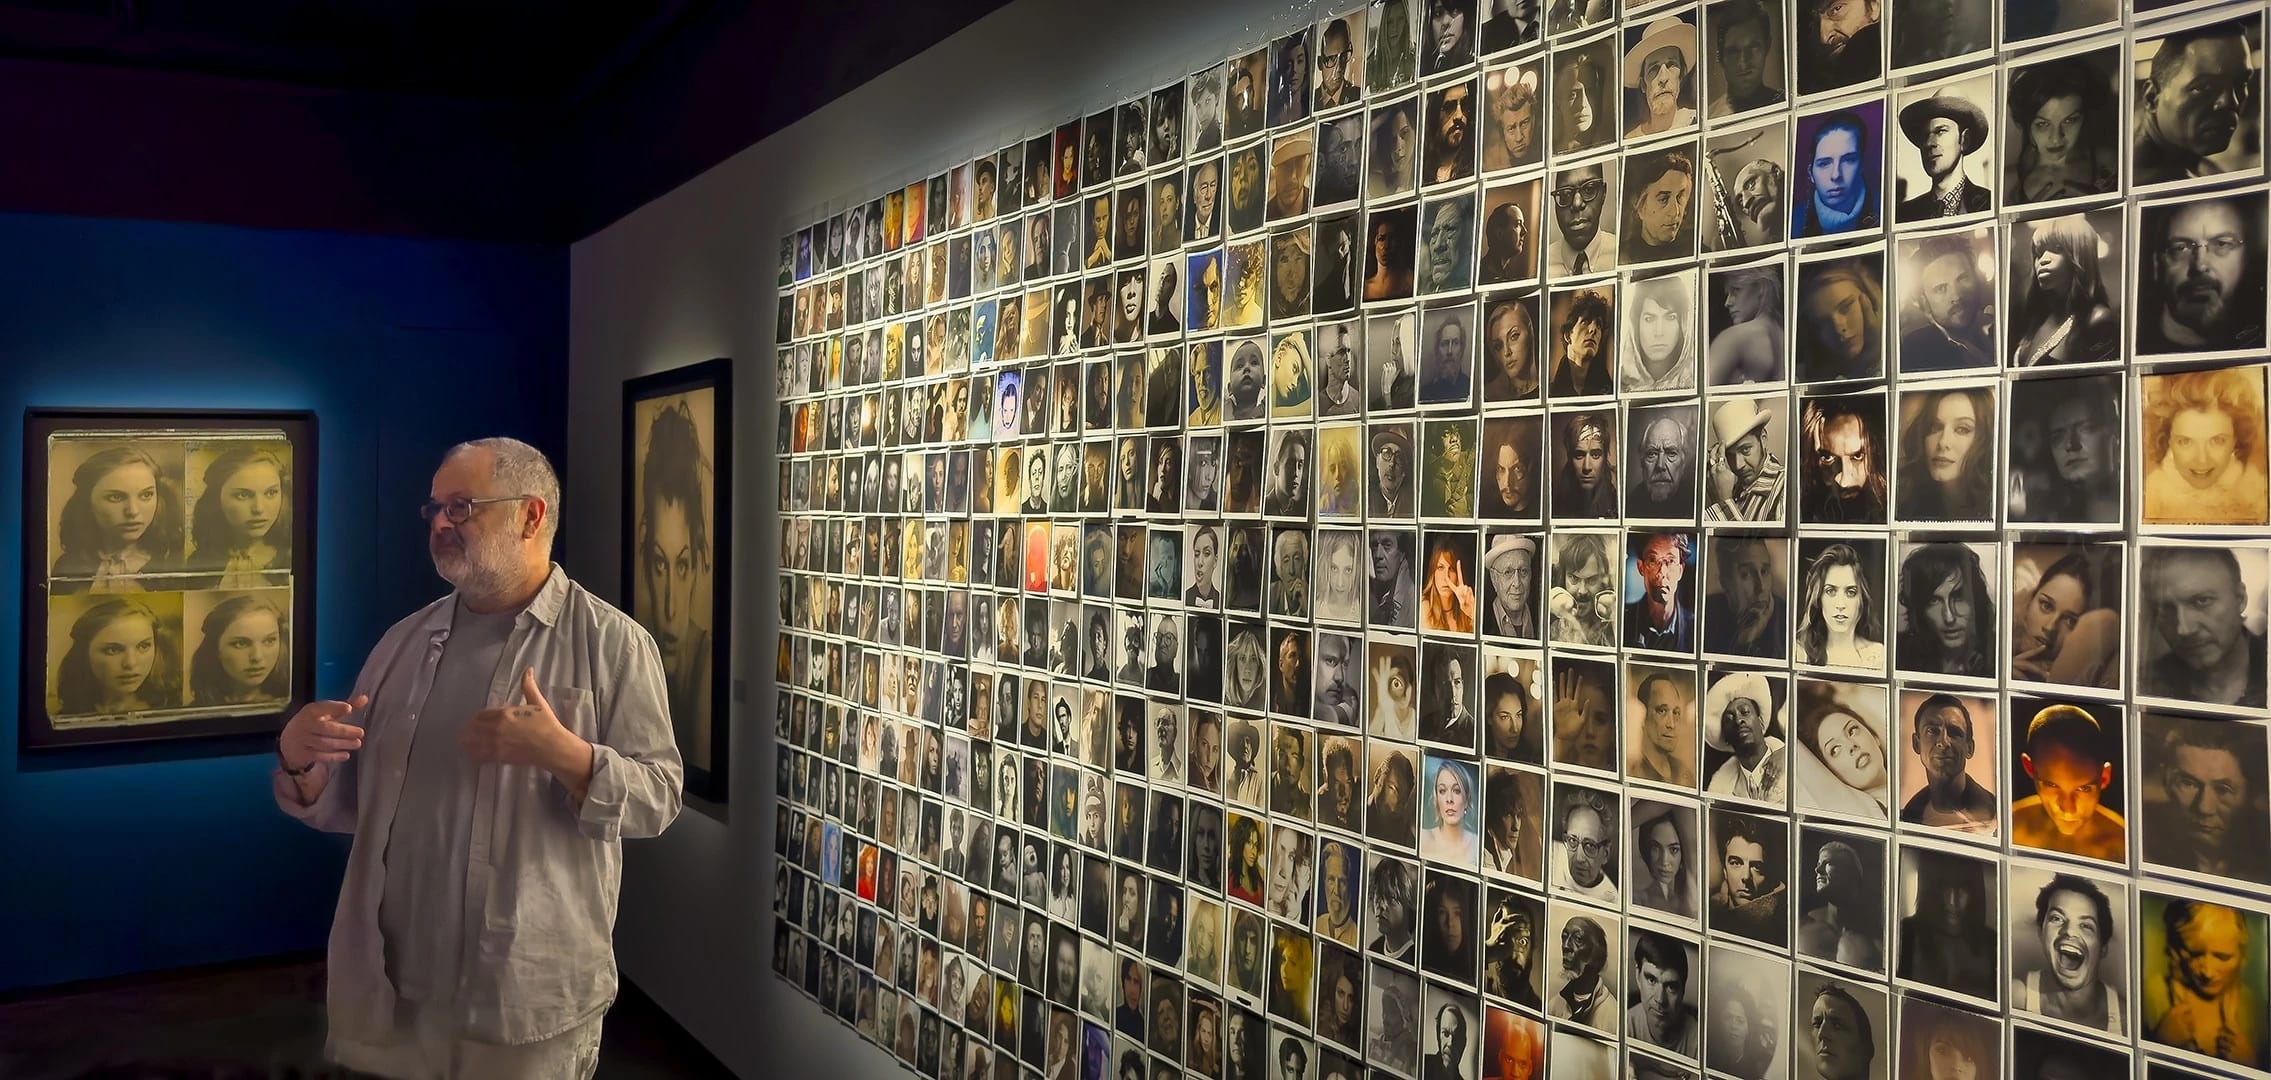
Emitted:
<point x="426" y="1047"/>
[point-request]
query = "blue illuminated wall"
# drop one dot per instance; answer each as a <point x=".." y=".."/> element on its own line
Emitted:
<point x="138" y="860"/>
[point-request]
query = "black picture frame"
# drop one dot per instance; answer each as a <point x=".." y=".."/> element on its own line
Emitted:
<point x="706" y="766"/>
<point x="43" y="728"/>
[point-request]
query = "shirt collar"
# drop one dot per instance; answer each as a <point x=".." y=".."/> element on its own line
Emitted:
<point x="546" y="607"/>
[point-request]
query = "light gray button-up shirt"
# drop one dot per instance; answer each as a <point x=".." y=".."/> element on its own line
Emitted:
<point x="539" y="911"/>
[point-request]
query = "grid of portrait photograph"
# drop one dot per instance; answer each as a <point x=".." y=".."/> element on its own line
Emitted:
<point x="168" y="589"/>
<point x="1495" y="540"/>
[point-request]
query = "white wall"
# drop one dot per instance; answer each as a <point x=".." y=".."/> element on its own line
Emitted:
<point x="690" y="276"/>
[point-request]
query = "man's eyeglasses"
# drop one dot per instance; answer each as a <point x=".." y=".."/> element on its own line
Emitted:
<point x="2221" y="247"/>
<point x="1588" y="191"/>
<point x="457" y="510"/>
<point x="1586" y="846"/>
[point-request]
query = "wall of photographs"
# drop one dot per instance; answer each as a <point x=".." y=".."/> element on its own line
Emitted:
<point x="1474" y="542"/>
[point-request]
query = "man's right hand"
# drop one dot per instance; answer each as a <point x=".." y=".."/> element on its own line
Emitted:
<point x="319" y="732"/>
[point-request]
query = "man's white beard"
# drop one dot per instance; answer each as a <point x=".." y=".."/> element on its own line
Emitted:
<point x="478" y="571"/>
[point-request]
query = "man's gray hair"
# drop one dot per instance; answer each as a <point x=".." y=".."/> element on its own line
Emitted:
<point x="521" y="469"/>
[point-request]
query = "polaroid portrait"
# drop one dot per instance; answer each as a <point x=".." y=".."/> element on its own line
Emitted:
<point x="1842" y="620"/>
<point x="1447" y="358"/>
<point x="1841" y="908"/>
<point x="1511" y="453"/>
<point x="1745" y="725"/>
<point x="1514" y="801"/>
<point x="1664" y="453"/>
<point x="2189" y="108"/>
<point x="1947" y="625"/>
<point x="1392" y="469"/>
<point x="1949" y="771"/>
<point x="1510" y="249"/>
<point x="2180" y="758"/>
<point x="1660" y="75"/>
<point x="1202" y="210"/>
<point x="1659" y="591"/>
<point x="1243" y="214"/>
<point x="2065" y="452"/>
<point x="1749" y="877"/>
<point x="1514" y="136"/>
<point x="1446" y="598"/>
<point x="1583" y="449"/>
<point x="1391" y="162"/>
<point x="1584" y="102"/>
<point x="1581" y="323"/>
<point x="1747" y="443"/>
<point x="1336" y="264"/>
<point x="1751" y="62"/>
<point x="1841" y="761"/>
<point x="1289" y="573"/>
<point x="2062" y="118"/>
<point x="2065" y="282"/>
<point x="1448" y="138"/>
<point x="1744" y="1003"/>
<point x="2177" y="928"/>
<point x="1340" y="376"/>
<point x="1946" y="937"/>
<point x="1580" y="243"/>
<point x="1245" y="79"/>
<point x="1292" y="174"/>
<point x="1392" y="688"/>
<point x="1586" y="842"/>
<point x="1745" y="173"/>
<point x="1341" y="575"/>
<point x="1838" y="157"/>
<point x="1447" y="716"/>
<point x="1840" y="44"/>
<point x="1844" y="1029"/>
<point x="1391" y="1007"/>
<point x="1202" y="484"/>
<point x="1665" y="852"/>
<point x="1584" y="732"/>
<point x="1447" y="260"/>
<point x="1289" y="77"/>
<point x="1583" y="591"/>
<point x="2066" y="622"/>
<point x="1293" y="383"/>
<point x="2200" y="286"/>
<point x="1514" y="1044"/>
<point x="1340" y="485"/>
<point x="2069" y="754"/>
<point x="1841" y="441"/>
<point x="1659" y="354"/>
<point x="1511" y="597"/>
<point x="1391" y="354"/>
<point x="1339" y="167"/>
<point x="1947" y="301"/>
<point x="2200" y="440"/>
<point x="1450" y="912"/>
<point x="1583" y="980"/>
<point x="1744" y="323"/>
<point x="1746" y="601"/>
<point x="2203" y="644"/>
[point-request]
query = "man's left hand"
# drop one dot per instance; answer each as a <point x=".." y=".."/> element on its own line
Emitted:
<point x="525" y="734"/>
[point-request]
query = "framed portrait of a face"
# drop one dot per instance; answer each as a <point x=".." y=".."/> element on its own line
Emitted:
<point x="173" y="562"/>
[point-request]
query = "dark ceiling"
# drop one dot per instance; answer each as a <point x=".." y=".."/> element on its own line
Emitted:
<point x="491" y="119"/>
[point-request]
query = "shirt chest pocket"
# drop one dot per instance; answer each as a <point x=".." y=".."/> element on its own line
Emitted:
<point x="576" y="709"/>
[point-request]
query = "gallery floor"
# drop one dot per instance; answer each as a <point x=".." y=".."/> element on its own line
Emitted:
<point x="261" y="1021"/>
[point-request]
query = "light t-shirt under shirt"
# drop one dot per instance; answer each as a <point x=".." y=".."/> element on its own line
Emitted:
<point x="422" y="910"/>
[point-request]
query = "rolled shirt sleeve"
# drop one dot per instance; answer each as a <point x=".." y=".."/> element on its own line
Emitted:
<point x="637" y="777"/>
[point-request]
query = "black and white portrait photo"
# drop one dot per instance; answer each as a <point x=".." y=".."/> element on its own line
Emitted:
<point x="1514" y="135"/>
<point x="2062" y="136"/>
<point x="1841" y="323"/>
<point x="2204" y="642"/>
<point x="2200" y="285"/>
<point x="2191" y="101"/>
<point x="1585" y="99"/>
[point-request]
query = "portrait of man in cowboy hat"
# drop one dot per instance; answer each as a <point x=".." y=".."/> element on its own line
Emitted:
<point x="1659" y="69"/>
<point x="1949" y="132"/>
<point x="1747" y="478"/>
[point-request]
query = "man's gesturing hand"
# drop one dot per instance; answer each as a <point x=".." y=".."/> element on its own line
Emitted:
<point x="319" y="732"/>
<point x="524" y="734"/>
